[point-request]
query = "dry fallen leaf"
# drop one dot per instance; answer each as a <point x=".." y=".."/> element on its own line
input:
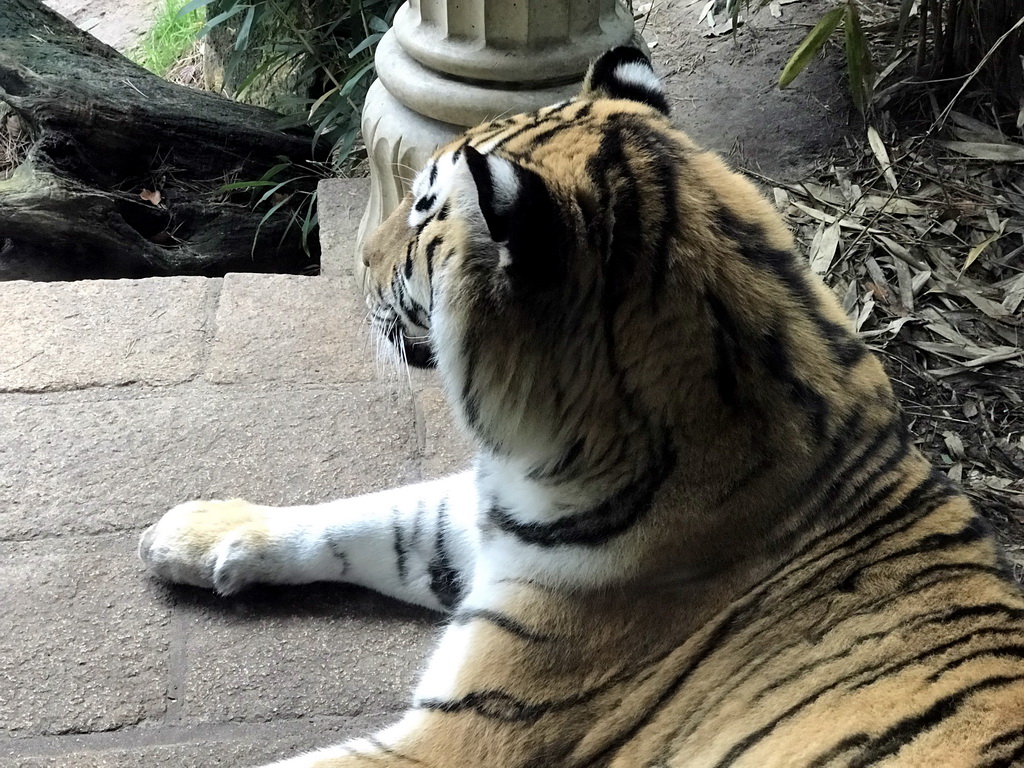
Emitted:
<point x="1002" y="153"/>
<point x="882" y="155"/>
<point x="823" y="248"/>
<point x="976" y="251"/>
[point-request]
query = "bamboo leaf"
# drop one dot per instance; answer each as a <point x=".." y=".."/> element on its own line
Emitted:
<point x="242" y="40"/>
<point x="259" y="227"/>
<point x="901" y="28"/>
<point x="319" y="102"/>
<point x="236" y="185"/>
<point x="859" y="65"/>
<point x="367" y="42"/>
<point x="1003" y="153"/>
<point x="220" y="18"/>
<point x="810" y="46"/>
<point x="882" y="156"/>
<point x="976" y="251"/>
<point x="354" y="79"/>
<point x="192" y="6"/>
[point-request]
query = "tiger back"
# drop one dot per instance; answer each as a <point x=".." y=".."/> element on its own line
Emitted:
<point x="717" y="543"/>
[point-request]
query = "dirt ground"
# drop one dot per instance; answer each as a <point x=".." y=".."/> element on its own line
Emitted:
<point x="118" y="23"/>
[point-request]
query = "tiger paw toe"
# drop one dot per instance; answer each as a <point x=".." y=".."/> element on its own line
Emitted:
<point x="212" y="544"/>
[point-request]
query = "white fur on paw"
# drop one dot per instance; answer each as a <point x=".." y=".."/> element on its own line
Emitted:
<point x="218" y="544"/>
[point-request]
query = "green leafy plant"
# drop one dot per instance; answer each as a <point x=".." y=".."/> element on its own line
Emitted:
<point x="171" y="36"/>
<point x="321" y="51"/>
<point x="288" y="187"/>
<point x="319" y="55"/>
<point x="859" y="64"/>
<point x="956" y="40"/>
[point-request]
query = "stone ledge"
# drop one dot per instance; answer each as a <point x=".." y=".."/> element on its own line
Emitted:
<point x="80" y="466"/>
<point x="59" y="336"/>
<point x="288" y="328"/>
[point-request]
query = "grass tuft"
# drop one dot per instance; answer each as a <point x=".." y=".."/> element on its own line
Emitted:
<point x="170" y="38"/>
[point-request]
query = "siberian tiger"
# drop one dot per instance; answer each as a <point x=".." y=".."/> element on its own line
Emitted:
<point x="697" y="533"/>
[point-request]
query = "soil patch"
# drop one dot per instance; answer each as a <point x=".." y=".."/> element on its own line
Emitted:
<point x="118" y="23"/>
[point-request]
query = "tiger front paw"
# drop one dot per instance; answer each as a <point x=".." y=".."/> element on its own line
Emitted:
<point x="217" y="544"/>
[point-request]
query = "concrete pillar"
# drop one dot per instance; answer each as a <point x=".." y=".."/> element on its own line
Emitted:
<point x="447" y="65"/>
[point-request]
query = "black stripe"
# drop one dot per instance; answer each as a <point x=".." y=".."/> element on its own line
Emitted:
<point x="931" y="543"/>
<point x="776" y="359"/>
<point x="714" y="641"/>
<point x="887" y="670"/>
<point x="445" y="580"/>
<point x="878" y="747"/>
<point x="337" y="550"/>
<point x="914" y="507"/>
<point x="425" y="203"/>
<point x="609" y="169"/>
<point x="492" y="705"/>
<point x="408" y="259"/>
<point x="1012" y="651"/>
<point x="416" y="532"/>
<point x="470" y="403"/>
<point x="846" y="349"/>
<point x="850" y="743"/>
<point x="558" y="124"/>
<point x="603" y="76"/>
<point x="641" y="94"/>
<point x="1004" y="740"/>
<point x="1013" y="760"/>
<point x="904" y="731"/>
<point x="429" y="252"/>
<point x="401" y="552"/>
<point x="793" y="589"/>
<point x="503" y="621"/>
<point x="727" y="349"/>
<point x="596" y="526"/>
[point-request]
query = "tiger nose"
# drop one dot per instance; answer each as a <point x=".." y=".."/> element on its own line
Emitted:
<point x="366" y="258"/>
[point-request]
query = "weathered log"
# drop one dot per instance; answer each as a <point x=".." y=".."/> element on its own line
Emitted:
<point x="102" y="131"/>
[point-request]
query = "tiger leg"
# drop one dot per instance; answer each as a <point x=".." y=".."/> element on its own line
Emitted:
<point x="414" y="543"/>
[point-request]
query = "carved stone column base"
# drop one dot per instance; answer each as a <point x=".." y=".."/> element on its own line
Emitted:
<point x="398" y="143"/>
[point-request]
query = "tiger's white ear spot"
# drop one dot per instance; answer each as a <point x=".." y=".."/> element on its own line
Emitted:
<point x="626" y="73"/>
<point x="504" y="182"/>
<point x="639" y="74"/>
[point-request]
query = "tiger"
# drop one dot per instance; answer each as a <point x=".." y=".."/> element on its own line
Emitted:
<point x="696" y="532"/>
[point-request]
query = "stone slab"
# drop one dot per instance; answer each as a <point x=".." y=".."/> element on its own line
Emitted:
<point x="58" y="336"/>
<point x="443" y="446"/>
<point x="84" y="645"/>
<point x="340" y="205"/>
<point x="290" y="328"/>
<point x="230" y="744"/>
<point x="287" y="652"/>
<point x="72" y="463"/>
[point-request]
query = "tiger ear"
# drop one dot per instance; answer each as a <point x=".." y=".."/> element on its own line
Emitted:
<point x="496" y="184"/>
<point x="521" y="216"/>
<point x="625" y="73"/>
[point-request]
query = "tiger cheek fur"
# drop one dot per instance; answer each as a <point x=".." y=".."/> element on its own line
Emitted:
<point x="696" y="533"/>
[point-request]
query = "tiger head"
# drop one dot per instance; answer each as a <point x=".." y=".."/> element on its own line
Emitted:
<point x="588" y="281"/>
